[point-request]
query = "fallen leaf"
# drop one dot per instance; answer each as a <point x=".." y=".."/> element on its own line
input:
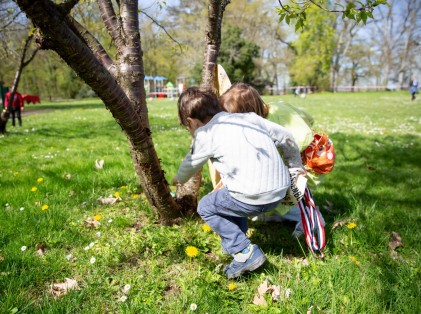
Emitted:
<point x="259" y="300"/>
<point x="92" y="223"/>
<point x="263" y="287"/>
<point x="340" y="223"/>
<point x="276" y="292"/>
<point x="108" y="200"/>
<point x="310" y="310"/>
<point x="99" y="164"/>
<point x="395" y="241"/>
<point x="62" y="288"/>
<point x="41" y="249"/>
<point x="287" y="293"/>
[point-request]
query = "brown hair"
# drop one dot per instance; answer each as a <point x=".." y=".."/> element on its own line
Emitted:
<point x="241" y="98"/>
<point x="197" y="103"/>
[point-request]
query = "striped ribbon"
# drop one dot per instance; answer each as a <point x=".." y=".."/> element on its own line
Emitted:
<point x="314" y="231"/>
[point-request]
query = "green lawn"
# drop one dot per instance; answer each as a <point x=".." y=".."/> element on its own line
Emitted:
<point x="50" y="189"/>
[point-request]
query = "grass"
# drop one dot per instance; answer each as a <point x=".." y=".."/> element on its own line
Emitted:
<point x="375" y="184"/>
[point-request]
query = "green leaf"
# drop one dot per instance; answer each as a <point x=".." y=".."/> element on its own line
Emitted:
<point x="363" y="16"/>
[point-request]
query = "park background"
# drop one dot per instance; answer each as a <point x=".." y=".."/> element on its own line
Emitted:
<point x="56" y="222"/>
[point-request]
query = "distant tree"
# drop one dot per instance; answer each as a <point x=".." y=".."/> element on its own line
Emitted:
<point x="314" y="51"/>
<point x="237" y="55"/>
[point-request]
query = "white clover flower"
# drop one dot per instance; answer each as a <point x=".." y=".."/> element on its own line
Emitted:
<point x="193" y="306"/>
<point x="98" y="234"/>
<point x="68" y="257"/>
<point x="123" y="298"/>
<point x="110" y="220"/>
<point x="21" y="209"/>
<point x="86" y="248"/>
<point x="92" y="260"/>
<point x="23" y="248"/>
<point x="91" y="244"/>
<point x="126" y="288"/>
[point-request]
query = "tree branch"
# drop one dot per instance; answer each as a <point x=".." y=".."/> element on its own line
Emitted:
<point x="67" y="6"/>
<point x="93" y="44"/>
<point x="163" y="28"/>
<point x="110" y="19"/>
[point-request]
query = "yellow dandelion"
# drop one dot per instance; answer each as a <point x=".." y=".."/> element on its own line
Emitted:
<point x="351" y="225"/>
<point x="192" y="251"/>
<point x="97" y="217"/>
<point x="232" y="287"/>
<point x="135" y="196"/>
<point x="44" y="207"/>
<point x="39" y="180"/>
<point x="34" y="189"/>
<point x="123" y="187"/>
<point x="117" y="194"/>
<point x="354" y="259"/>
<point x="206" y="228"/>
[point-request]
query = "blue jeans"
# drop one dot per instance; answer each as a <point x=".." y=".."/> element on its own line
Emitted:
<point x="228" y="218"/>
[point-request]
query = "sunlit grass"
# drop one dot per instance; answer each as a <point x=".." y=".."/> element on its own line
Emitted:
<point x="49" y="204"/>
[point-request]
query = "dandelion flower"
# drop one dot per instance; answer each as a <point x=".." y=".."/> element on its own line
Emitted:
<point x="193" y="307"/>
<point x="354" y="259"/>
<point x="123" y="298"/>
<point x="232" y="287"/>
<point x="34" y="189"/>
<point x="192" y="251"/>
<point x="206" y="228"/>
<point x="39" y="180"/>
<point x="92" y="260"/>
<point x="44" y="207"/>
<point x="135" y="196"/>
<point x="351" y="225"/>
<point x="117" y="194"/>
<point x="123" y="187"/>
<point x="97" y="217"/>
<point x="23" y="248"/>
<point x="126" y="288"/>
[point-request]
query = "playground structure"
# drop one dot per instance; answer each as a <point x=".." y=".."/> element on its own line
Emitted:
<point x="159" y="87"/>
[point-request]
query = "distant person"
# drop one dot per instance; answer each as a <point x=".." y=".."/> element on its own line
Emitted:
<point x="413" y="88"/>
<point x="16" y="107"/>
<point x="244" y="150"/>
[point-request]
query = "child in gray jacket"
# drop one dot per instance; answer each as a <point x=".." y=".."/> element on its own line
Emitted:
<point x="243" y="149"/>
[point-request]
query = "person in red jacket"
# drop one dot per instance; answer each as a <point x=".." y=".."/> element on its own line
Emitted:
<point x="16" y="107"/>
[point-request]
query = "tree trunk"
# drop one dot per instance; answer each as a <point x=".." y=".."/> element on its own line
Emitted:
<point x="119" y="83"/>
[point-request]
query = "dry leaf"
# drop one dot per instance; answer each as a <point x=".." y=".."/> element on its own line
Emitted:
<point x="340" y="223"/>
<point x="259" y="300"/>
<point x="287" y="293"/>
<point x="310" y="310"/>
<point x="92" y="223"/>
<point x="395" y="240"/>
<point x="59" y="289"/>
<point x="108" y="200"/>
<point x="41" y="249"/>
<point x="263" y="287"/>
<point x="99" y="164"/>
<point x="276" y="292"/>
